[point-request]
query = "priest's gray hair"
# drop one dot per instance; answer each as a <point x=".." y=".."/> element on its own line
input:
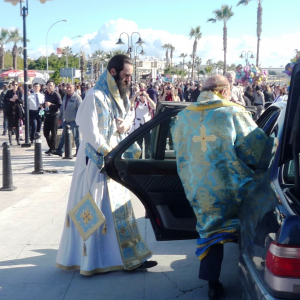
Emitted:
<point x="216" y="83"/>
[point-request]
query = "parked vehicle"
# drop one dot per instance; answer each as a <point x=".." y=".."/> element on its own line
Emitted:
<point x="270" y="256"/>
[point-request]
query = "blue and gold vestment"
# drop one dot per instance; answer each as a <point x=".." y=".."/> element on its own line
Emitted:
<point x="215" y="143"/>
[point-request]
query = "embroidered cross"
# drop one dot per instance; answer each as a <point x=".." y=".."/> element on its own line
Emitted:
<point x="203" y="138"/>
<point x="86" y="216"/>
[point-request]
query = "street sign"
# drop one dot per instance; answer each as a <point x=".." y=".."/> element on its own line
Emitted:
<point x="67" y="72"/>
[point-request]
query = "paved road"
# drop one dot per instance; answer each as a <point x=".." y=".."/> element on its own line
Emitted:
<point x="31" y="222"/>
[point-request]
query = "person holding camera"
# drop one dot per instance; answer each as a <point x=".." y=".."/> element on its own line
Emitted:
<point x="143" y="109"/>
<point x="168" y="94"/>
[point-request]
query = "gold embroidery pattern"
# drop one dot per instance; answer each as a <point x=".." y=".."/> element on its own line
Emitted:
<point x="86" y="216"/>
<point x="203" y="138"/>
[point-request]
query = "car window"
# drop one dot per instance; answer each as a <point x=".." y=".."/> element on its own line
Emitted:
<point x="169" y="149"/>
<point x="289" y="172"/>
<point x="268" y="119"/>
<point x="144" y="146"/>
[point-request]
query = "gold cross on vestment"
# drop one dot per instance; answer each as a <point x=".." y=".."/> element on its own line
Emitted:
<point x="203" y="138"/>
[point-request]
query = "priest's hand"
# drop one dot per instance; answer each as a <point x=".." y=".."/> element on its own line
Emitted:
<point x="122" y="126"/>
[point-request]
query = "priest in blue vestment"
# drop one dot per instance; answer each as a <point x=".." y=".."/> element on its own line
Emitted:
<point x="216" y="143"/>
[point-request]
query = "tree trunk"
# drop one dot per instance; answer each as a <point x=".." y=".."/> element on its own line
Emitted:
<point x="194" y="54"/>
<point x="225" y="46"/>
<point x="259" y="30"/>
<point x="15" y="55"/>
<point x="2" y="53"/>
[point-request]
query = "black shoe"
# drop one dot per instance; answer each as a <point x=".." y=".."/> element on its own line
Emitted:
<point x="47" y="152"/>
<point x="3" y="133"/>
<point x="18" y="142"/>
<point x="147" y="265"/>
<point x="57" y="153"/>
<point x="215" y="291"/>
<point x="75" y="155"/>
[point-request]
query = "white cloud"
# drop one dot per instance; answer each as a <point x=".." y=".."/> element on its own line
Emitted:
<point x="273" y="52"/>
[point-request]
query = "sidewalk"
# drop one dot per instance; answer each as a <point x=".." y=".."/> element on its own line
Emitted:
<point x="31" y="223"/>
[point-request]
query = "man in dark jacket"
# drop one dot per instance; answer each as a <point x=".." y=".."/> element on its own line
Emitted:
<point x="196" y="92"/>
<point x="13" y="110"/>
<point x="153" y="93"/>
<point x="52" y="105"/>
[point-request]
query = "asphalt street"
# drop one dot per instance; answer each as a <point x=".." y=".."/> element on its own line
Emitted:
<point x="31" y="223"/>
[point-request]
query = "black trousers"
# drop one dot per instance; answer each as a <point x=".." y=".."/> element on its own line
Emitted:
<point x="35" y="123"/>
<point x="210" y="265"/>
<point x="50" y="130"/>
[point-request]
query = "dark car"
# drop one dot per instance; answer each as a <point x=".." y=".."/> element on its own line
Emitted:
<point x="270" y="257"/>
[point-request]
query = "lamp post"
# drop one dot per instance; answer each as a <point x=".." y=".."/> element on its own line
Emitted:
<point x="24" y="14"/>
<point x="47" y="40"/>
<point x="131" y="47"/>
<point x="246" y="56"/>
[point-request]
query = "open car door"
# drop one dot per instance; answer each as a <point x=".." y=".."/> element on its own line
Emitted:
<point x="153" y="176"/>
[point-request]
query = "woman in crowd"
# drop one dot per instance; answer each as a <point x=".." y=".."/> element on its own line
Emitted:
<point x="278" y="94"/>
<point x="268" y="94"/>
<point x="259" y="101"/>
<point x="142" y="110"/>
<point x="249" y="94"/>
<point x="167" y="94"/>
<point x="13" y="101"/>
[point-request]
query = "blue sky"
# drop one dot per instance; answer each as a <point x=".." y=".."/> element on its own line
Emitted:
<point x="159" y="22"/>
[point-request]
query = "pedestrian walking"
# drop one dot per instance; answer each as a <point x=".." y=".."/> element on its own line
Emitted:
<point x="67" y="116"/>
<point x="52" y="105"/>
<point x="13" y="108"/>
<point x="36" y="101"/>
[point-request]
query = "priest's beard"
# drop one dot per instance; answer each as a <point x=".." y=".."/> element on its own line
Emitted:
<point x="124" y="87"/>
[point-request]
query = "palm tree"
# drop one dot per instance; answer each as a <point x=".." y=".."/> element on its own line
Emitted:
<point x="4" y="36"/>
<point x="111" y="54"/>
<point x="182" y="74"/>
<point x="172" y="48"/>
<point x="259" y="24"/>
<point x="198" y="62"/>
<point x="166" y="46"/>
<point x="208" y="70"/>
<point x="183" y="57"/>
<point x="20" y="51"/>
<point x="99" y="58"/>
<point x="209" y="62"/>
<point x="223" y="14"/>
<point x="201" y="72"/>
<point x="15" y="37"/>
<point x="196" y="34"/>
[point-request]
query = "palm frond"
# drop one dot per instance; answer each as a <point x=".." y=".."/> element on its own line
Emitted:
<point x="244" y="2"/>
<point x="211" y="20"/>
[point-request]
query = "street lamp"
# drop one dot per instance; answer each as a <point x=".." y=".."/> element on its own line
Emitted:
<point x="247" y="56"/>
<point x="131" y="47"/>
<point x="47" y="40"/>
<point x="24" y="14"/>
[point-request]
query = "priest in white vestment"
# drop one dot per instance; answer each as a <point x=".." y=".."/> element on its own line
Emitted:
<point x="116" y="244"/>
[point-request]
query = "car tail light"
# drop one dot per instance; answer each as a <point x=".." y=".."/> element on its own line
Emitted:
<point x="283" y="260"/>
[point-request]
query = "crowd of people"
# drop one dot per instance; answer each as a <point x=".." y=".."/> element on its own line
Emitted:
<point x="51" y="105"/>
<point x="45" y="102"/>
